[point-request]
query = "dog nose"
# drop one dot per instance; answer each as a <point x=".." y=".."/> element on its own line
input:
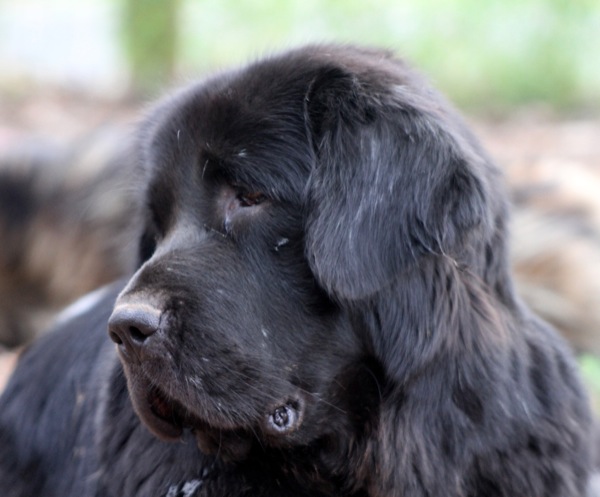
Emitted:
<point x="130" y="325"/>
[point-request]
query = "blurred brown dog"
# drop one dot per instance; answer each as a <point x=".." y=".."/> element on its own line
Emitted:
<point x="62" y="226"/>
<point x="556" y="245"/>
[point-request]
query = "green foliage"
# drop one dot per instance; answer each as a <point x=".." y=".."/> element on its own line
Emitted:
<point x="590" y="369"/>
<point x="150" y="40"/>
<point x="485" y="54"/>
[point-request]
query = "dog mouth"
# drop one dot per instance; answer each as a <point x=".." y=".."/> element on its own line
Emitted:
<point x="168" y="419"/>
<point x="164" y="416"/>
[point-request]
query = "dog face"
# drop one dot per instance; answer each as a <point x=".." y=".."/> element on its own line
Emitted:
<point x="280" y="199"/>
<point x="224" y="328"/>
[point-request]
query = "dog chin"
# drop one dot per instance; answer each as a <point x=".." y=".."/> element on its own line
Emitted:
<point x="168" y="419"/>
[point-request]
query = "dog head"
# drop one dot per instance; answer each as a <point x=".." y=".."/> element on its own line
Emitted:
<point x="281" y="200"/>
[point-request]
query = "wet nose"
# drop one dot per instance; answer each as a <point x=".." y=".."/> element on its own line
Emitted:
<point x="130" y="326"/>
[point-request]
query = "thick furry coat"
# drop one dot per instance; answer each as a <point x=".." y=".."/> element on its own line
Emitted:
<point x="323" y="307"/>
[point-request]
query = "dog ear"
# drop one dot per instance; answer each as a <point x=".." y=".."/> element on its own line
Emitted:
<point x="393" y="179"/>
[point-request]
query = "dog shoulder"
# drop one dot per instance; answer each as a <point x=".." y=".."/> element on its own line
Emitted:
<point x="50" y="401"/>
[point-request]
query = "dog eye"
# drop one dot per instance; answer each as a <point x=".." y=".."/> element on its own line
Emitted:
<point x="147" y="245"/>
<point x="250" y="199"/>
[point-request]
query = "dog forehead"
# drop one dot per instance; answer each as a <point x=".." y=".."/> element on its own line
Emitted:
<point x="253" y="122"/>
<point x="255" y="135"/>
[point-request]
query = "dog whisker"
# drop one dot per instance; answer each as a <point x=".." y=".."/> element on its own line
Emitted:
<point x="210" y="229"/>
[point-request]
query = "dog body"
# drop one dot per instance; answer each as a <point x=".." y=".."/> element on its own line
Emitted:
<point x="323" y="307"/>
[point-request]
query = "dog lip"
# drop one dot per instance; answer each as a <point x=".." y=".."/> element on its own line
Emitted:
<point x="159" y="415"/>
<point x="162" y="416"/>
<point x="167" y="419"/>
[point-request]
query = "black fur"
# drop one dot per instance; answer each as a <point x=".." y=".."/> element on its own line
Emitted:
<point x="323" y="307"/>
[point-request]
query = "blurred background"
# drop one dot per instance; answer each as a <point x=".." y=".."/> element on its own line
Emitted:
<point x="76" y="74"/>
<point x="488" y="56"/>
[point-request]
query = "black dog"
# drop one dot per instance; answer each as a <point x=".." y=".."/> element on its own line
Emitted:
<point x="323" y="307"/>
